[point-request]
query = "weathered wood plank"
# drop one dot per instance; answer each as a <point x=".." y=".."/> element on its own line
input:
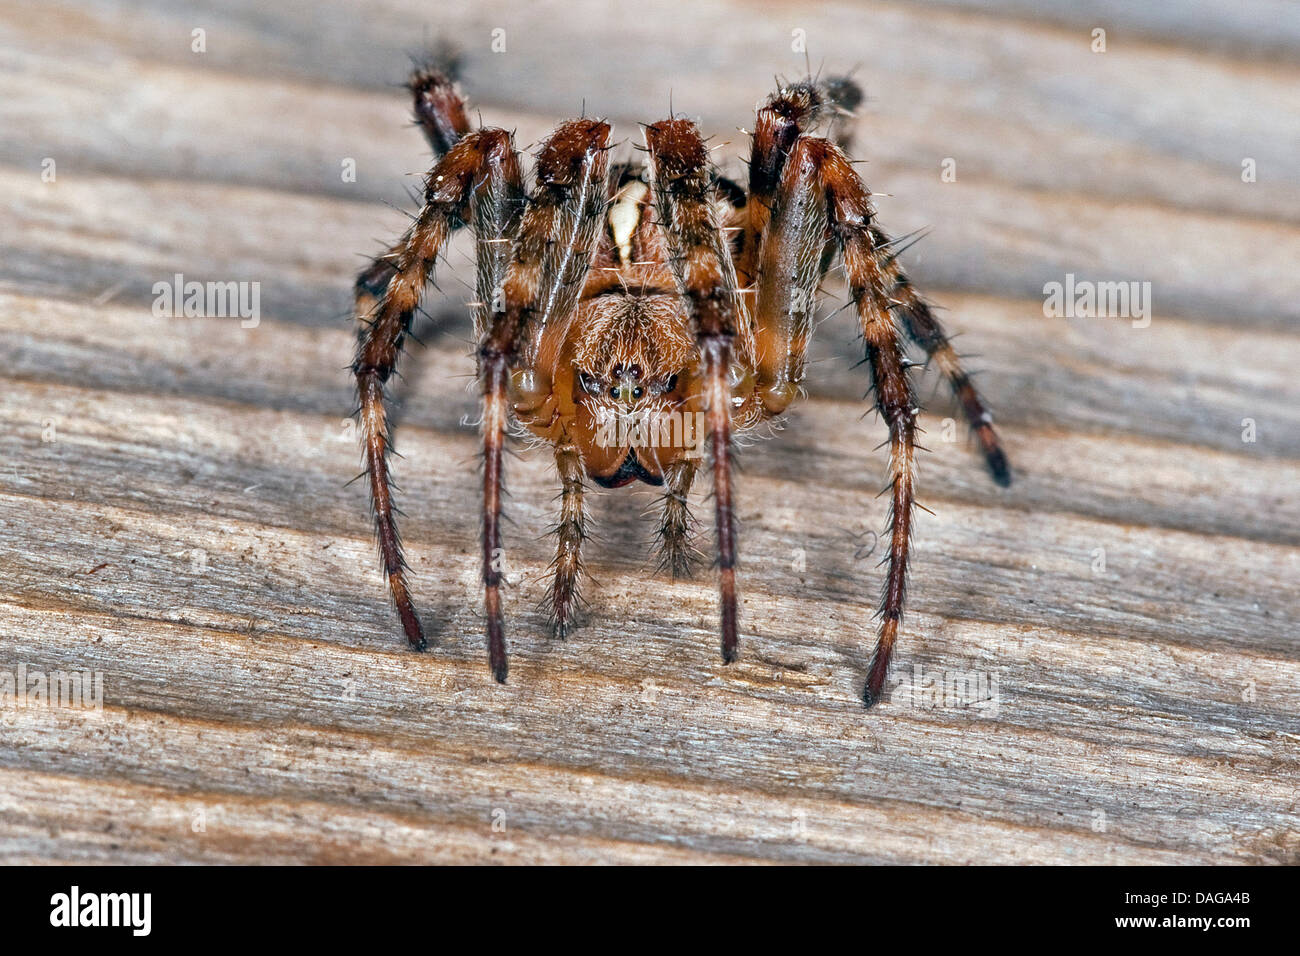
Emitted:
<point x="168" y="476"/>
<point x="174" y="510"/>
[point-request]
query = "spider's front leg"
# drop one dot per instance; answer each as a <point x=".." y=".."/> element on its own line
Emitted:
<point x="808" y="191"/>
<point x="706" y="276"/>
<point x="821" y="191"/>
<point x="545" y="274"/>
<point x="478" y="180"/>
<point x="820" y="196"/>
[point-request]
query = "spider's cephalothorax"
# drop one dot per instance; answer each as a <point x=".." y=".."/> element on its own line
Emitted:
<point x="626" y="315"/>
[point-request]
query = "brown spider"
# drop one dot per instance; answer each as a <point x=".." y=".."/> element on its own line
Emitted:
<point x="613" y="311"/>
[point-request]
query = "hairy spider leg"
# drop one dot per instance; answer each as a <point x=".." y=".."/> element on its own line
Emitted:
<point x="924" y="329"/>
<point x="810" y="193"/>
<point x="440" y="114"/>
<point x="676" y="525"/>
<point x="791" y="262"/>
<point x="439" y="109"/>
<point x="570" y="532"/>
<point x="787" y="113"/>
<point x="706" y="276"/>
<point x="481" y="164"/>
<point x="817" y="163"/>
<point x="547" y="267"/>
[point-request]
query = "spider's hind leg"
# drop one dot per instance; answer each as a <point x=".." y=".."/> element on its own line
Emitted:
<point x="440" y="114"/>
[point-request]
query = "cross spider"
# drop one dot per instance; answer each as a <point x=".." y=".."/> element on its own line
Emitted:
<point x="659" y="296"/>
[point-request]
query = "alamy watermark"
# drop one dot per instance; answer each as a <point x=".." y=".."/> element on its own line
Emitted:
<point x="947" y="690"/>
<point x="209" y="300"/>
<point x="71" y="690"/>
<point x="133" y="911"/>
<point x="652" y="429"/>
<point x="1084" y="298"/>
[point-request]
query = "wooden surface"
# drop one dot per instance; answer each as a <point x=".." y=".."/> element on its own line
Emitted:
<point x="188" y="532"/>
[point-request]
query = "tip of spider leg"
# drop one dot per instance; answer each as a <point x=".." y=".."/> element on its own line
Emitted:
<point x="500" y="671"/>
<point x="416" y="640"/>
<point x="414" y="632"/>
<point x="1000" y="468"/>
<point x="874" y="690"/>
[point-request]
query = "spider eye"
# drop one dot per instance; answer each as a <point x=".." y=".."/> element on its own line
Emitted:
<point x="668" y="384"/>
<point x="589" y="384"/>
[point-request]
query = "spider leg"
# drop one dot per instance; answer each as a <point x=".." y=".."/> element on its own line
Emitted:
<point x="439" y="109"/>
<point x="791" y="263"/>
<point x="706" y="276"/>
<point x="787" y="113"/>
<point x="569" y="532"/>
<point x="481" y="161"/>
<point x="440" y="114"/>
<point x="925" y="330"/>
<point x="676" y="555"/>
<point x="545" y="274"/>
<point x="820" y="191"/>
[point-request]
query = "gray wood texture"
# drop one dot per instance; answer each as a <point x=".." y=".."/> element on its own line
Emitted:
<point x="174" y="510"/>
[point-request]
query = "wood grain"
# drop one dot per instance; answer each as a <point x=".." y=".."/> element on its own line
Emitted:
<point x="174" y="510"/>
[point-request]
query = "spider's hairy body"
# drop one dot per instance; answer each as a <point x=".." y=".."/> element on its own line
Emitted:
<point x="626" y="314"/>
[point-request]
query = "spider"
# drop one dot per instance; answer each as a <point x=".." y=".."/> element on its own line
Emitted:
<point x="620" y="304"/>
